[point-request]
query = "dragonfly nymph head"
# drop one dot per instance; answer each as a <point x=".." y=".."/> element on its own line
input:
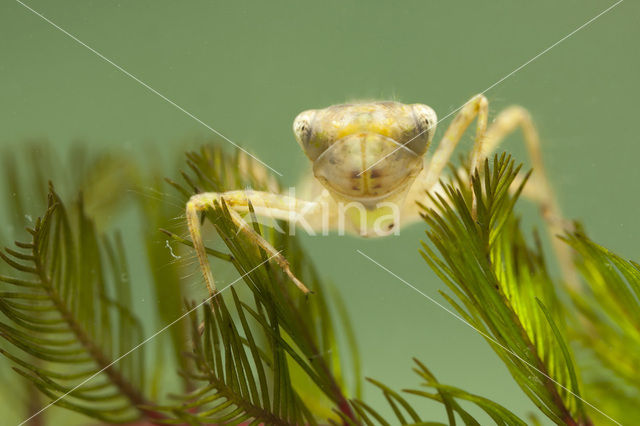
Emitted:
<point x="366" y="152"/>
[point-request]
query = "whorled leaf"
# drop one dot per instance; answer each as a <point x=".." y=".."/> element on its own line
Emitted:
<point x="104" y="179"/>
<point x="609" y="324"/>
<point x="67" y="316"/>
<point x="289" y="340"/>
<point x="407" y="414"/>
<point x="502" y="286"/>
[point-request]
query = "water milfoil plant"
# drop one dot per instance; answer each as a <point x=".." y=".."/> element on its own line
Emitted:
<point x="257" y="350"/>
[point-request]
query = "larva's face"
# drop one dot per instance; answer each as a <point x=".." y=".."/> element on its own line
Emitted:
<point x="368" y="151"/>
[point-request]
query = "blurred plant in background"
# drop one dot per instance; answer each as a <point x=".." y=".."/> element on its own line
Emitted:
<point x="261" y="352"/>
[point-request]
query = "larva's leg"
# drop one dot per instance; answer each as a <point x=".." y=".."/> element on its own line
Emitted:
<point x="266" y="204"/>
<point x="538" y="189"/>
<point x="476" y="107"/>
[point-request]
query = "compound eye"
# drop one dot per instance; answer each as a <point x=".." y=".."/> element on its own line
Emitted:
<point x="302" y="127"/>
<point x="426" y="121"/>
<point x="313" y="143"/>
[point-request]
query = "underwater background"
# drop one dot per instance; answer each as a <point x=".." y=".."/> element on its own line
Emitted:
<point x="247" y="68"/>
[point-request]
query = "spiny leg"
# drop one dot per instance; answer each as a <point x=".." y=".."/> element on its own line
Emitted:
<point x="267" y="204"/>
<point x="538" y="189"/>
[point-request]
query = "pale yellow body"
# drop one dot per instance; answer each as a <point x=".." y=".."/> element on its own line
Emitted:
<point x="369" y="169"/>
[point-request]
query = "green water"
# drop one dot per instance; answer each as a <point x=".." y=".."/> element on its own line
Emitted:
<point x="247" y="68"/>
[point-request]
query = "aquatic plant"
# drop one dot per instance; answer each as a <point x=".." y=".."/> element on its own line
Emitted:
<point x="262" y="351"/>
